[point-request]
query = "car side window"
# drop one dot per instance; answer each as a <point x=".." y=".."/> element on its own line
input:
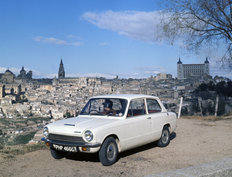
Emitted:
<point x="153" y="106"/>
<point x="136" y="108"/>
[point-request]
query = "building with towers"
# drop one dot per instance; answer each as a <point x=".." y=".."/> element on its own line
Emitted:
<point x="80" y="81"/>
<point x="12" y="87"/>
<point x="61" y="72"/>
<point x="24" y="76"/>
<point x="8" y="77"/>
<point x="192" y="71"/>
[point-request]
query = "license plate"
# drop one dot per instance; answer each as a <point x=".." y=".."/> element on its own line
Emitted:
<point x="65" y="148"/>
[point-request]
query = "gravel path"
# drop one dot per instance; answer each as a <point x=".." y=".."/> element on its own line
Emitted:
<point x="195" y="142"/>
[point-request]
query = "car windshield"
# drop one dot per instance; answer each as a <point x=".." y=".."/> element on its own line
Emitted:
<point x="105" y="107"/>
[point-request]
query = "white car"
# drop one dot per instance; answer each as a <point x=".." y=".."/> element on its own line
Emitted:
<point x="110" y="124"/>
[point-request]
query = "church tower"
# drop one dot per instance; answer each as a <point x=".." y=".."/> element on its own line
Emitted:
<point x="61" y="73"/>
<point x="180" y="70"/>
<point x="206" y="66"/>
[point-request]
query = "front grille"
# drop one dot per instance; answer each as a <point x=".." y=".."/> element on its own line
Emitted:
<point x="65" y="138"/>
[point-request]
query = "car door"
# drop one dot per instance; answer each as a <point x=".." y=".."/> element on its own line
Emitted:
<point x="157" y="117"/>
<point x="137" y="125"/>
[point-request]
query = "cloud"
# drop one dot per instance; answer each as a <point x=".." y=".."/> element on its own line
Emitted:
<point x="138" y="25"/>
<point x="35" y="73"/>
<point x="142" y="72"/>
<point x="52" y="40"/>
<point x="139" y="73"/>
<point x="16" y="71"/>
<point x="12" y="69"/>
<point x="74" y="37"/>
<point x="150" y="70"/>
<point x="104" y="44"/>
<point x="105" y="75"/>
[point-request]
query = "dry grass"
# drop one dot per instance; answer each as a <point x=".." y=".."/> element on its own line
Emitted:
<point x="11" y="151"/>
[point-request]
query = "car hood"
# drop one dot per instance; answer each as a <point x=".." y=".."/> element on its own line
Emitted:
<point x="77" y="125"/>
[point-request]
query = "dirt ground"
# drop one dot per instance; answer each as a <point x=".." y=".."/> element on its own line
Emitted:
<point x="195" y="142"/>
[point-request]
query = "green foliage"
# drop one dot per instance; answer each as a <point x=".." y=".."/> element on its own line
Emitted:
<point x="23" y="139"/>
<point x="3" y="141"/>
<point x="194" y="107"/>
<point x="207" y="91"/>
<point x="4" y="121"/>
<point x="68" y="114"/>
<point x="36" y="120"/>
<point x="209" y="110"/>
<point x="221" y="107"/>
<point x="222" y="88"/>
<point x="184" y="111"/>
<point x="1" y="146"/>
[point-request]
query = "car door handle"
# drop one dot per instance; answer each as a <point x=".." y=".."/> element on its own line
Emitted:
<point x="149" y="118"/>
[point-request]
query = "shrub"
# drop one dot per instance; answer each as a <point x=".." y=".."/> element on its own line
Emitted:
<point x="23" y="139"/>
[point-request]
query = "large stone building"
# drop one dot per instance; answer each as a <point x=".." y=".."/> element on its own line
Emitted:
<point x="7" y="78"/>
<point x="80" y="81"/>
<point x="9" y="93"/>
<point x="195" y="71"/>
<point x="11" y="86"/>
<point x="163" y="76"/>
<point x="24" y="76"/>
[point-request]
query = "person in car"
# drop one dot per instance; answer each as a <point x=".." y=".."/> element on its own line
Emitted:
<point x="108" y="108"/>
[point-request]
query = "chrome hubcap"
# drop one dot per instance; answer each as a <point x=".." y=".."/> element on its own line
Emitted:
<point x="111" y="151"/>
<point x="165" y="137"/>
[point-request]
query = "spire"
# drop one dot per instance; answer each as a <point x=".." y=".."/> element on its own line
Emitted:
<point x="206" y="60"/>
<point x="61" y="72"/>
<point x="179" y="62"/>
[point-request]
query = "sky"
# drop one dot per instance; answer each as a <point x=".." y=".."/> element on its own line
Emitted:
<point x="103" y="38"/>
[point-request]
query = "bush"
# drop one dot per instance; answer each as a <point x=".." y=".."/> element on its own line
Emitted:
<point x="221" y="107"/>
<point x="184" y="111"/>
<point x="3" y="141"/>
<point x="222" y="88"/>
<point x="23" y="139"/>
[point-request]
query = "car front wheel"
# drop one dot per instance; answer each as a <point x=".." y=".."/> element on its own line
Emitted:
<point x="109" y="152"/>
<point x="56" y="155"/>
<point x="165" y="137"/>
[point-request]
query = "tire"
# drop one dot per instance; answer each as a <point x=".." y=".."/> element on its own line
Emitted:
<point x="108" y="153"/>
<point x="165" y="137"/>
<point x="56" y="154"/>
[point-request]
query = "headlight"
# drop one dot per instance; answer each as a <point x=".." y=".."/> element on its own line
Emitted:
<point x="88" y="135"/>
<point x="45" y="132"/>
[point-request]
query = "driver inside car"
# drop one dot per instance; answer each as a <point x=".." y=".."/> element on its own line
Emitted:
<point x="108" y="108"/>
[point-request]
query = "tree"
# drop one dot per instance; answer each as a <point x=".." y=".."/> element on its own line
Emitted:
<point x="220" y="88"/>
<point x="200" y="23"/>
<point x="229" y="89"/>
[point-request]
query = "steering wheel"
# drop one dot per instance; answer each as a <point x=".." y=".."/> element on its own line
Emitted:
<point x="94" y="111"/>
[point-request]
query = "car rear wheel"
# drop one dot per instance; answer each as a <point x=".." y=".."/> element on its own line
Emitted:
<point x="56" y="154"/>
<point x="165" y="137"/>
<point x="109" y="152"/>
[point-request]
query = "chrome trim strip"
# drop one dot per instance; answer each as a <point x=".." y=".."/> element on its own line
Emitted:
<point x="70" y="125"/>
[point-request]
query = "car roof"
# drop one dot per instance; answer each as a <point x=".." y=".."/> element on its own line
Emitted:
<point x="126" y="96"/>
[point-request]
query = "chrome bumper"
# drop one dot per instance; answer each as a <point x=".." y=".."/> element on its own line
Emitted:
<point x="65" y="143"/>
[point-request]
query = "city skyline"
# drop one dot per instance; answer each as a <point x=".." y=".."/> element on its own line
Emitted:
<point x="93" y="38"/>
